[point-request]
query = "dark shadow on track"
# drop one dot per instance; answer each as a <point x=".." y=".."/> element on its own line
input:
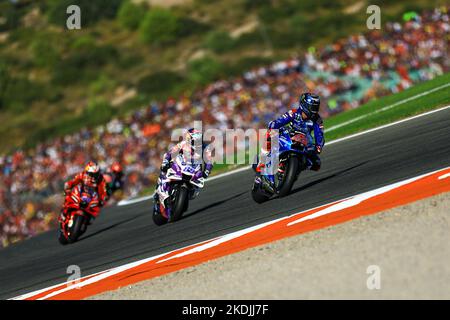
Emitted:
<point x="393" y="154"/>
<point x="212" y="205"/>
<point x="334" y="175"/>
<point x="112" y="226"/>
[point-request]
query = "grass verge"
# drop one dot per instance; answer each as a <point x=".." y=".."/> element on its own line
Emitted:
<point x="420" y="98"/>
<point x="423" y="97"/>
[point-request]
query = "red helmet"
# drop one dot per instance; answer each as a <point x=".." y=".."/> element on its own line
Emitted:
<point x="92" y="169"/>
<point x="116" y="167"/>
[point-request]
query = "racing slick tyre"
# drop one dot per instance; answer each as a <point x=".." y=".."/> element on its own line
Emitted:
<point x="61" y="238"/>
<point x="75" y="230"/>
<point x="186" y="205"/>
<point x="179" y="203"/>
<point x="289" y="177"/>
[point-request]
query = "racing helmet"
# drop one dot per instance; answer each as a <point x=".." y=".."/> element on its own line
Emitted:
<point x="194" y="138"/>
<point x="309" y="104"/>
<point x="116" y="168"/>
<point x="92" y="169"/>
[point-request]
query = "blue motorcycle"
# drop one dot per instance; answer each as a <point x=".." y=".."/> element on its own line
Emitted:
<point x="281" y="173"/>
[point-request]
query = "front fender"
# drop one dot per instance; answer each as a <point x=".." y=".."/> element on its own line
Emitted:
<point x="73" y="215"/>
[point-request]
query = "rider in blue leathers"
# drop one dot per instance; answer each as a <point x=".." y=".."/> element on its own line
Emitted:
<point x="303" y="117"/>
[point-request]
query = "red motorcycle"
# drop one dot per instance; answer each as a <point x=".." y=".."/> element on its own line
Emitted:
<point x="81" y="206"/>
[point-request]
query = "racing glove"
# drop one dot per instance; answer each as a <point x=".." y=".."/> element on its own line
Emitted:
<point x="66" y="189"/>
<point x="206" y="174"/>
<point x="318" y="149"/>
<point x="165" y="165"/>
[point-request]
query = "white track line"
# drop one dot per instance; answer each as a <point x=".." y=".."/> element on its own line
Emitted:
<point x="203" y="245"/>
<point x="444" y="176"/>
<point x="357" y="199"/>
<point x="390" y="106"/>
<point x="388" y="125"/>
<point x="97" y="276"/>
<point x="131" y="201"/>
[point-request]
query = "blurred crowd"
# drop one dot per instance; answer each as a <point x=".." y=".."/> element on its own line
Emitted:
<point x="387" y="61"/>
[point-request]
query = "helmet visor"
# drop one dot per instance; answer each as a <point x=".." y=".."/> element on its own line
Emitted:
<point x="94" y="174"/>
<point x="196" y="140"/>
<point x="314" y="108"/>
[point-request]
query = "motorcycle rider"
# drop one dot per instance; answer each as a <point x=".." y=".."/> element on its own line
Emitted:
<point x="303" y="117"/>
<point x="194" y="149"/>
<point x="92" y="182"/>
<point x="114" y="178"/>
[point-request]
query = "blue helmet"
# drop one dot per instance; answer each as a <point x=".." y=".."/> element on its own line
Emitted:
<point x="309" y="103"/>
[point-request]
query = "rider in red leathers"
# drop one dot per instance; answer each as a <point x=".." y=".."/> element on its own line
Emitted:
<point x="91" y="180"/>
<point x="114" y="178"/>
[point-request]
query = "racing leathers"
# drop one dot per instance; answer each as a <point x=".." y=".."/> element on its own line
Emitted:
<point x="184" y="148"/>
<point x="114" y="182"/>
<point x="204" y="157"/>
<point x="96" y="186"/>
<point x="293" y="121"/>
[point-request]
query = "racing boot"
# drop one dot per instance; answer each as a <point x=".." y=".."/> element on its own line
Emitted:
<point x="194" y="193"/>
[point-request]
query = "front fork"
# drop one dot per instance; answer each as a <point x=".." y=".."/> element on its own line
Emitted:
<point x="267" y="181"/>
<point x="64" y="221"/>
<point x="162" y="208"/>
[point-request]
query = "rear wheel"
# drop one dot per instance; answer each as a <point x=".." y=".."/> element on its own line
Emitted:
<point x="179" y="203"/>
<point x="75" y="230"/>
<point x="290" y="176"/>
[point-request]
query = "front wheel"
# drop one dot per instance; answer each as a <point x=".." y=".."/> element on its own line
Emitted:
<point x="75" y="230"/>
<point x="179" y="203"/>
<point x="61" y="237"/>
<point x="258" y="195"/>
<point x="158" y="218"/>
<point x="289" y="177"/>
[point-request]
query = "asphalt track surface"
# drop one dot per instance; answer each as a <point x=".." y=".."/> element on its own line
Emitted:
<point x="126" y="234"/>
